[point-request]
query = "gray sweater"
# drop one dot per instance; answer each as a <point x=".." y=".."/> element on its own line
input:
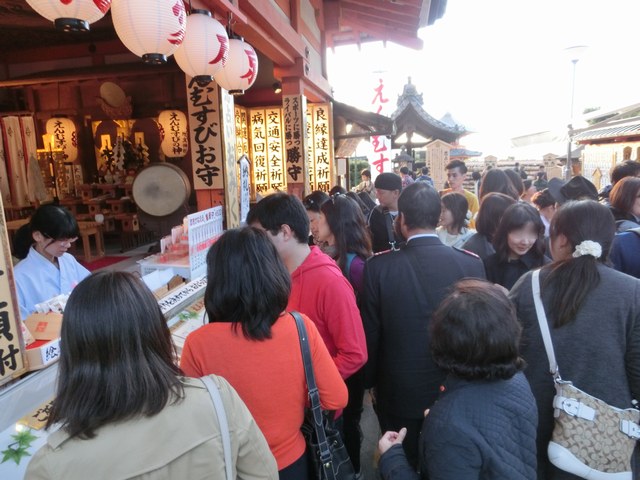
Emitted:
<point x="599" y="351"/>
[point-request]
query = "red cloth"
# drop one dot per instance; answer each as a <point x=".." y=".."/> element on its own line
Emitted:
<point x="269" y="376"/>
<point x="320" y="291"/>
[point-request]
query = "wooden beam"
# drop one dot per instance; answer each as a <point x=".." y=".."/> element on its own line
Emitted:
<point x="382" y="33"/>
<point x="262" y="40"/>
<point x="272" y="20"/>
<point x="227" y="7"/>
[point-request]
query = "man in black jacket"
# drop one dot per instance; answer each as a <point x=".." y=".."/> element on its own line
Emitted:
<point x="401" y="291"/>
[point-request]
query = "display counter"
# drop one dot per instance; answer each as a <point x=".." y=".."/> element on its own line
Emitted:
<point x="20" y="400"/>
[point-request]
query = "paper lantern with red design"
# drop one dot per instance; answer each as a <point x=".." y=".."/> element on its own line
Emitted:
<point x="71" y="15"/>
<point x="205" y="47"/>
<point x="174" y="132"/>
<point x="152" y="29"/>
<point x="241" y="69"/>
<point x="65" y="137"/>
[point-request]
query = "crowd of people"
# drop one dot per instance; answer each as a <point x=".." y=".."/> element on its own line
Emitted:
<point x="422" y="301"/>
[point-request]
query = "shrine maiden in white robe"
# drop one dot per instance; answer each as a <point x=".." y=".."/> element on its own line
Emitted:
<point x="38" y="280"/>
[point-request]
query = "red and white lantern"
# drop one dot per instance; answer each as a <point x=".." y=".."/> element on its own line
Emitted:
<point x="241" y="69"/>
<point x="65" y="137"/>
<point x="174" y="132"/>
<point x="71" y="15"/>
<point x="152" y="29"/>
<point x="205" y="48"/>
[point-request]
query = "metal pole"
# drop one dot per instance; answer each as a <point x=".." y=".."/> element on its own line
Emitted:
<point x="568" y="166"/>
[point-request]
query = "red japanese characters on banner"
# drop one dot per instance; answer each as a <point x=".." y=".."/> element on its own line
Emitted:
<point x="293" y="107"/>
<point x="380" y="158"/>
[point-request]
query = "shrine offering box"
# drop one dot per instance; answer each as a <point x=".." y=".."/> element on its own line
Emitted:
<point x="45" y="328"/>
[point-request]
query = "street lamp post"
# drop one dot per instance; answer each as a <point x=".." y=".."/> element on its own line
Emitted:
<point x="574" y="53"/>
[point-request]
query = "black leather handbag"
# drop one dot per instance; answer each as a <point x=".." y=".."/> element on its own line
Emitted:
<point x="327" y="455"/>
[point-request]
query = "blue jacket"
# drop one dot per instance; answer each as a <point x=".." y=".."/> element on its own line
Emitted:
<point x="476" y="430"/>
<point x="625" y="252"/>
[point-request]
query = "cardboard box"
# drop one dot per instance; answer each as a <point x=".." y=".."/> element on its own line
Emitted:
<point x="44" y="326"/>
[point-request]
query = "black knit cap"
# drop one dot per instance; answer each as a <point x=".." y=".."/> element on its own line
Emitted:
<point x="388" y="181"/>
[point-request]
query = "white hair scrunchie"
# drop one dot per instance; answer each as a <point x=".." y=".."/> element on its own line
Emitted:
<point x="588" y="247"/>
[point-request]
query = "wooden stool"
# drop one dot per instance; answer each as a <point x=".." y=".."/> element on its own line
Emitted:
<point x="86" y="230"/>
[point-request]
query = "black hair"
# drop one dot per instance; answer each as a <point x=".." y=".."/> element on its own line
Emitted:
<point x="515" y="217"/>
<point x="52" y="221"/>
<point x="117" y="359"/>
<point x="623" y="197"/>
<point x="314" y="200"/>
<point x="349" y="228"/>
<point x="458" y="205"/>
<point x="363" y="206"/>
<point x="628" y="168"/>
<point x="280" y="209"/>
<point x="492" y="207"/>
<point x="366" y="172"/>
<point x="425" y="170"/>
<point x="476" y="175"/>
<point x="543" y="199"/>
<point x="404" y="170"/>
<point x="337" y="189"/>
<point x="527" y="184"/>
<point x="571" y="280"/>
<point x="516" y="181"/>
<point x="496" y="180"/>
<point x="247" y="283"/>
<point x="456" y="164"/>
<point x="475" y="333"/>
<point x="419" y="204"/>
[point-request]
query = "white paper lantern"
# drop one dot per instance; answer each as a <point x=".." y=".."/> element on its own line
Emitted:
<point x="65" y="137"/>
<point x="205" y="47"/>
<point x="174" y="128"/>
<point x="241" y="69"/>
<point x="71" y="15"/>
<point x="152" y="29"/>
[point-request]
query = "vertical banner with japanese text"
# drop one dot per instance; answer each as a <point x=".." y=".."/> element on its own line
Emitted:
<point x="320" y="146"/>
<point x="242" y="132"/>
<point x="267" y="149"/>
<point x="11" y="362"/>
<point x="245" y="188"/>
<point x="296" y="141"/>
<point x="380" y="157"/>
<point x="205" y="134"/>
<point x="231" y="186"/>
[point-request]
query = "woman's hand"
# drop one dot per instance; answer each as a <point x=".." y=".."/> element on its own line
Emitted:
<point x="389" y="439"/>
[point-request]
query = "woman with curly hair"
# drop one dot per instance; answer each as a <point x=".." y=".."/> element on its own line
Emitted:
<point x="474" y="338"/>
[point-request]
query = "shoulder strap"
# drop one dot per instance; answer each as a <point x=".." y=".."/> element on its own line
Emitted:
<point x="314" y="395"/>
<point x="542" y="322"/>
<point x="224" y="425"/>
<point x="350" y="257"/>
<point x="388" y="221"/>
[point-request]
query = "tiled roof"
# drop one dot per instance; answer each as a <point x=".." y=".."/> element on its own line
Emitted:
<point x="626" y="129"/>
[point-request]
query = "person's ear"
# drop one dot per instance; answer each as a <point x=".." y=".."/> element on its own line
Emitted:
<point x="37" y="236"/>
<point x="287" y="233"/>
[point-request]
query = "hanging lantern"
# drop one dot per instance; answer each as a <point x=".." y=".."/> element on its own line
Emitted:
<point x="174" y="133"/>
<point x="205" y="47"/>
<point x="71" y="15"/>
<point x="151" y="29"/>
<point x="65" y="137"/>
<point x="241" y="69"/>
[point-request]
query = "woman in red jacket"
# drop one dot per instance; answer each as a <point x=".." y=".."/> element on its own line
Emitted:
<point x="253" y="343"/>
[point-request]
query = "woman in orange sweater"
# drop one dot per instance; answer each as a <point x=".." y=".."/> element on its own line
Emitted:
<point x="253" y="344"/>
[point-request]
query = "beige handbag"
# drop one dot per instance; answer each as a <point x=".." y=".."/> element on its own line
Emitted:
<point x="591" y="439"/>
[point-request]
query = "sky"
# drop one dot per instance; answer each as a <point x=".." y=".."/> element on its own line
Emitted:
<point x="500" y="67"/>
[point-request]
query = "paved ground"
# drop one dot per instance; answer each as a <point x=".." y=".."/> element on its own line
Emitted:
<point x="371" y="434"/>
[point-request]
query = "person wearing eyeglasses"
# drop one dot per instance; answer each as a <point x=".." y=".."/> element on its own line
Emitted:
<point x="46" y="269"/>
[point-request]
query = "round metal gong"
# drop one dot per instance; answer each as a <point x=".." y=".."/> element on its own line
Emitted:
<point x="161" y="189"/>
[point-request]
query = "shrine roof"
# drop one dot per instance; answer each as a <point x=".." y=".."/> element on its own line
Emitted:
<point x="610" y="130"/>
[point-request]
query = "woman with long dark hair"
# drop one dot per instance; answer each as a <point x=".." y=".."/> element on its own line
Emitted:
<point x="519" y="244"/>
<point x="47" y="270"/>
<point x="496" y="180"/>
<point x="492" y="207"/>
<point x="342" y="225"/>
<point x="124" y="408"/>
<point x="253" y="343"/>
<point x="594" y="317"/>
